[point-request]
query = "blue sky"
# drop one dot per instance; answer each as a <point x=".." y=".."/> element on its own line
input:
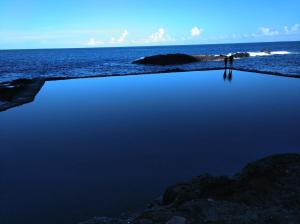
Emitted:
<point x="97" y="23"/>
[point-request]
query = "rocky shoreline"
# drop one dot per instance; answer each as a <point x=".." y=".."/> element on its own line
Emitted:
<point x="266" y="191"/>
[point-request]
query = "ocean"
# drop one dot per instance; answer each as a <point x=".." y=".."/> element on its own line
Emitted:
<point x="83" y="62"/>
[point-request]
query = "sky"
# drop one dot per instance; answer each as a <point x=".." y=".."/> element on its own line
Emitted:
<point x="30" y="24"/>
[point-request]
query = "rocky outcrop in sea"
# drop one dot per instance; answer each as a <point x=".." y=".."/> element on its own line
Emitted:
<point x="178" y="59"/>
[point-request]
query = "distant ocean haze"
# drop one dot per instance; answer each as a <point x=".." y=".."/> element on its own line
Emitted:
<point x="284" y="58"/>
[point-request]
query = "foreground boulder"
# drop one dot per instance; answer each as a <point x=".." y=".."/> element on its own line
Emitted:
<point x="264" y="192"/>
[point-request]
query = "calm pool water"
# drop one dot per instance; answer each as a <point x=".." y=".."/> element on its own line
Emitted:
<point x="103" y="146"/>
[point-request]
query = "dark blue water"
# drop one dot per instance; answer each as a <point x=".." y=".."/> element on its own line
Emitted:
<point x="102" y="146"/>
<point x="15" y="64"/>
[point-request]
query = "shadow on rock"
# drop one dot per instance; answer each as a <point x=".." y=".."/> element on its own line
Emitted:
<point x="266" y="191"/>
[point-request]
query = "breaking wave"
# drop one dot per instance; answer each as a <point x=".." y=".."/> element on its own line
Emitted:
<point x="261" y="53"/>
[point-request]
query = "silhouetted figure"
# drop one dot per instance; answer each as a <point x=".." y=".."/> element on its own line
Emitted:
<point x="225" y="62"/>
<point x="231" y="58"/>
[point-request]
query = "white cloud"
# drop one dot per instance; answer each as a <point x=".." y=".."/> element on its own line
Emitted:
<point x="113" y="40"/>
<point x="196" y="31"/>
<point x="123" y="36"/>
<point x="293" y="29"/>
<point x="94" y="42"/>
<point x="157" y="37"/>
<point x="121" y="39"/>
<point x="266" y="31"/>
<point x="286" y="29"/>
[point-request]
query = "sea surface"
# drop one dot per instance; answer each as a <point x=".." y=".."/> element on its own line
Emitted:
<point x="104" y="146"/>
<point x="69" y="63"/>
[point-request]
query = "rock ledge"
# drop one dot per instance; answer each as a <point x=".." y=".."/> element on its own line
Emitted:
<point x="266" y="191"/>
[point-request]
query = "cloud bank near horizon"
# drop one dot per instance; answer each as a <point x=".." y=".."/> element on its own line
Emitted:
<point x="161" y="36"/>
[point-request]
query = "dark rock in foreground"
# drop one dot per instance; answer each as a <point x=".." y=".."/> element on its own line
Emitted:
<point x="264" y="192"/>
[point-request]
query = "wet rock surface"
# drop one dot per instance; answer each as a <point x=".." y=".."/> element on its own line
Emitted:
<point x="19" y="92"/>
<point x="266" y="191"/>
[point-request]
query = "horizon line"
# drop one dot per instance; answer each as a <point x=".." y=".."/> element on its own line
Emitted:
<point x="137" y="46"/>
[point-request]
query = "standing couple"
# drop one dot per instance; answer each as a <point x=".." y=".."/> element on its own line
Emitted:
<point x="230" y="59"/>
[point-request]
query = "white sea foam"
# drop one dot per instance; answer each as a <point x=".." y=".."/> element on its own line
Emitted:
<point x="280" y="52"/>
<point x="254" y="54"/>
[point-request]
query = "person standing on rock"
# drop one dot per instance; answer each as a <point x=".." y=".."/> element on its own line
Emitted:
<point x="225" y="62"/>
<point x="231" y="58"/>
